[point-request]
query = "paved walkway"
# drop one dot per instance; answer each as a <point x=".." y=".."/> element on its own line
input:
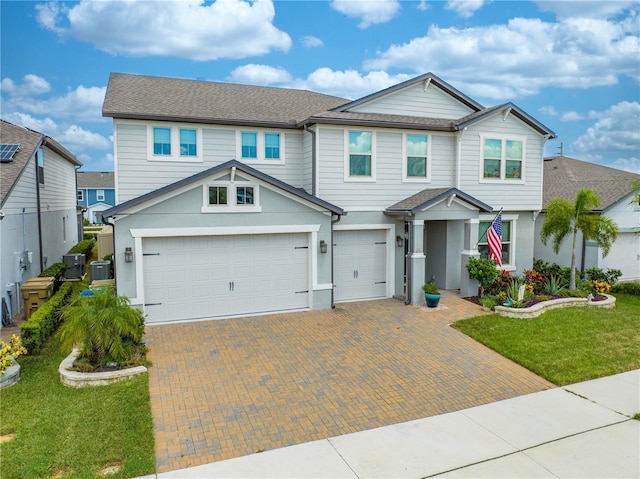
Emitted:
<point x="234" y="387"/>
<point x="582" y="430"/>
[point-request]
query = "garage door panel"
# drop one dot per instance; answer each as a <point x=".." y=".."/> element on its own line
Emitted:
<point x="360" y="266"/>
<point x="203" y="277"/>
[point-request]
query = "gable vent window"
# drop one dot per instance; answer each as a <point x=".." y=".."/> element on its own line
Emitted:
<point x="231" y="197"/>
<point x="40" y="159"/>
<point x="217" y="195"/>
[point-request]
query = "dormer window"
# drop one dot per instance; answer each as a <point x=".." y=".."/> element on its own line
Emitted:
<point x="231" y="197"/>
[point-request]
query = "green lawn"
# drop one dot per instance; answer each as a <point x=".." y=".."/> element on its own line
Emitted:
<point x="566" y="345"/>
<point x="64" y="432"/>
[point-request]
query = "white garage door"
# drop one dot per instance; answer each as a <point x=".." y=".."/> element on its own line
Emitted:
<point x="360" y="264"/>
<point x="625" y="255"/>
<point x="213" y="276"/>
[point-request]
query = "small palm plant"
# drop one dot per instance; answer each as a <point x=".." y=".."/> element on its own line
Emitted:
<point x="104" y="327"/>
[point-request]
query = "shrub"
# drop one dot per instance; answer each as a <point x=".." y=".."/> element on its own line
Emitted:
<point x="599" y="287"/>
<point x="104" y="327"/>
<point x="553" y="285"/>
<point x="483" y="270"/>
<point x="10" y="352"/>
<point x="55" y="271"/>
<point x="501" y="282"/>
<point x="611" y="276"/>
<point x="489" y="301"/>
<point x="535" y="279"/>
<point x="44" y="320"/>
<point x="430" y="288"/>
<point x="83" y="247"/>
<point x="547" y="270"/>
<point x="627" y="288"/>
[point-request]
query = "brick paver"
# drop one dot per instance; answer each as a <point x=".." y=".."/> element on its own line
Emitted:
<point x="231" y="387"/>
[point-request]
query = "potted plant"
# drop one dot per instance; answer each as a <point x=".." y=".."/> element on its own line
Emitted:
<point x="431" y="294"/>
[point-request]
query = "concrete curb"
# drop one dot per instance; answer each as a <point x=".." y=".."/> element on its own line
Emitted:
<point x="77" y="379"/>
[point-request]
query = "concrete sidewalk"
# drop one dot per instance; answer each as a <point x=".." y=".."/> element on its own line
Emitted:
<point x="581" y="430"/>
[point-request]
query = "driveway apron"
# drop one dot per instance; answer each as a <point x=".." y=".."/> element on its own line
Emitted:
<point x="231" y="387"/>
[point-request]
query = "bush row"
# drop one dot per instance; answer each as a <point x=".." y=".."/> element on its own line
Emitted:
<point x="627" y="288"/>
<point x="44" y="320"/>
<point x="83" y="247"/>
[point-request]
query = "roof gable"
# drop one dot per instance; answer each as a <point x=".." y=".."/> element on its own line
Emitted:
<point x="564" y="177"/>
<point x="427" y="198"/>
<point x="140" y="201"/>
<point x="504" y="109"/>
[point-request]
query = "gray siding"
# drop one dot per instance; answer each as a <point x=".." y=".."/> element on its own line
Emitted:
<point x="137" y="173"/>
<point x="415" y="101"/>
<point x="510" y="195"/>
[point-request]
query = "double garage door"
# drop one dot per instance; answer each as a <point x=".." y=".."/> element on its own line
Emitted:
<point x="214" y="276"/>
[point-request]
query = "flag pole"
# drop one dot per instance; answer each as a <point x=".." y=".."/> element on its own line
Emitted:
<point x="485" y="231"/>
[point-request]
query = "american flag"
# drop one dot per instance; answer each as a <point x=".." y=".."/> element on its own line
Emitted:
<point x="494" y="239"/>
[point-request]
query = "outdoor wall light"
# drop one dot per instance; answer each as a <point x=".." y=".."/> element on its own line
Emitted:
<point x="128" y="255"/>
<point x="323" y="246"/>
<point x="399" y="241"/>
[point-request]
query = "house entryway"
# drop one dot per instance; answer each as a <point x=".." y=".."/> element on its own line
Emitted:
<point x="233" y="387"/>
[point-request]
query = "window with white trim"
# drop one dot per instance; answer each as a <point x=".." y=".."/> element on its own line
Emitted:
<point x="233" y="197"/>
<point x="99" y="195"/>
<point x="80" y="195"/>
<point x="260" y="147"/>
<point x="172" y="143"/>
<point x="507" y="241"/>
<point x="502" y="158"/>
<point x="360" y="164"/>
<point x="416" y="152"/>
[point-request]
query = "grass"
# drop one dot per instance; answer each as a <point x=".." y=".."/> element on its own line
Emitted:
<point x="566" y="345"/>
<point x="65" y="432"/>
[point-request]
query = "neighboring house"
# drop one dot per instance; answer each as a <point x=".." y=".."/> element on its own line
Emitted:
<point x="238" y="199"/>
<point x="96" y="193"/>
<point x="39" y="221"/>
<point x="563" y="178"/>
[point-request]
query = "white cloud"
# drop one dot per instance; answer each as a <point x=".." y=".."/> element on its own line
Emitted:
<point x="75" y="137"/>
<point x="348" y="83"/>
<point x="464" y="8"/>
<point x="617" y="131"/>
<point x="370" y="12"/>
<point x="423" y="6"/>
<point x="83" y="103"/>
<point x="548" y="110"/>
<point x="631" y="164"/>
<point x="585" y="8"/>
<point x="187" y="29"/>
<point x="259" y="75"/>
<point x="525" y="56"/>
<point x="571" y="116"/>
<point x="310" y="41"/>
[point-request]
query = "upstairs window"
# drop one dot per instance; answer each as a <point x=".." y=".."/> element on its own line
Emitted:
<point x="162" y="141"/>
<point x="80" y="195"/>
<point x="416" y="158"/>
<point x="360" y="156"/>
<point x="244" y="195"/>
<point x="502" y="159"/>
<point x="217" y="195"/>
<point x="188" y="143"/>
<point x="249" y="145"/>
<point x="40" y="159"/>
<point x="100" y="195"/>
<point x="271" y="146"/>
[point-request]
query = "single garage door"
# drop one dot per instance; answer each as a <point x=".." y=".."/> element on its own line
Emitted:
<point x="214" y="276"/>
<point x="360" y="264"/>
<point x="625" y="255"/>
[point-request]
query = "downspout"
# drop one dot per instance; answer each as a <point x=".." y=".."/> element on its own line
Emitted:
<point x="313" y="166"/>
<point x="39" y="213"/>
<point x="113" y="240"/>
<point x="333" y="222"/>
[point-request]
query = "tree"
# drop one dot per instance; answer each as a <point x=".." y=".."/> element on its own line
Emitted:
<point x="563" y="218"/>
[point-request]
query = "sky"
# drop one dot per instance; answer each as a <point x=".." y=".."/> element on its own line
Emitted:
<point x="572" y="65"/>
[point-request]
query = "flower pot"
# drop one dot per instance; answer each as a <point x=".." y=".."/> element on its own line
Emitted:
<point x="432" y="300"/>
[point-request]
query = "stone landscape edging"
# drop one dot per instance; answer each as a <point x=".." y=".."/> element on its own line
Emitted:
<point x="77" y="379"/>
<point x="539" y="308"/>
<point x="10" y="376"/>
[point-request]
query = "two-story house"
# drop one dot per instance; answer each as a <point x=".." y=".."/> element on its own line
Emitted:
<point x="38" y="215"/>
<point x="238" y="199"/>
<point x="96" y="193"/>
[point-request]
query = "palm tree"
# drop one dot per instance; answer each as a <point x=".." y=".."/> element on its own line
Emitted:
<point x="103" y="326"/>
<point x="563" y="218"/>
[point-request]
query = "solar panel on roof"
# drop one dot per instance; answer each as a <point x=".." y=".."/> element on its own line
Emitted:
<point x="7" y="151"/>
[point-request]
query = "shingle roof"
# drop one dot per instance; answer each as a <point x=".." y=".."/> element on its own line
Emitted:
<point x="379" y="119"/>
<point x="564" y="177"/>
<point x="430" y="197"/>
<point x="146" y="97"/>
<point x="123" y="207"/>
<point x="96" y="179"/>
<point x="29" y="141"/>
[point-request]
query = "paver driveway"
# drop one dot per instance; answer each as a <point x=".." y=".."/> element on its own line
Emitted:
<point x="227" y="388"/>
